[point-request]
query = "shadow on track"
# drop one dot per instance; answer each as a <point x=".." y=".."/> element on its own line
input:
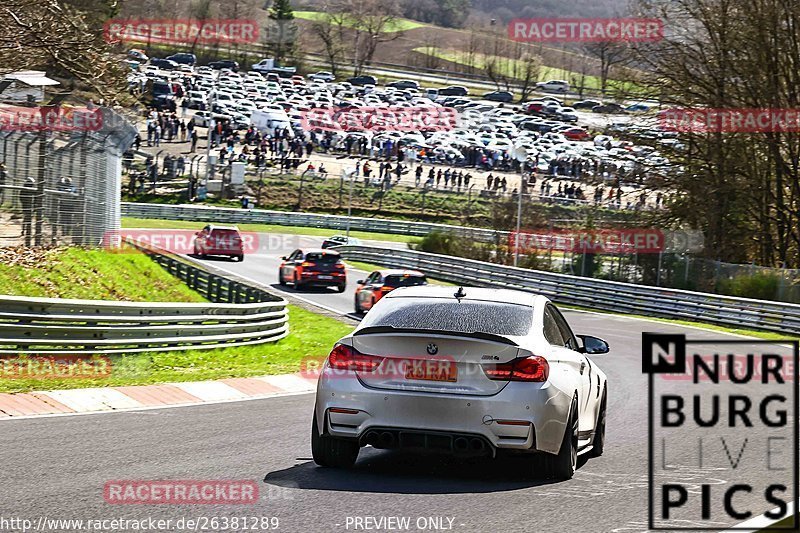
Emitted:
<point x="404" y="473"/>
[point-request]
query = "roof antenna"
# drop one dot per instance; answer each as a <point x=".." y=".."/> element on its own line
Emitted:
<point x="460" y="293"/>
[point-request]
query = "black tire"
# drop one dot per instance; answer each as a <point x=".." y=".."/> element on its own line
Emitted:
<point x="281" y="281"/>
<point x="341" y="288"/>
<point x="562" y="466"/>
<point x="599" y="440"/>
<point x="332" y="452"/>
<point x="238" y="258"/>
<point x="296" y="283"/>
<point x="357" y="306"/>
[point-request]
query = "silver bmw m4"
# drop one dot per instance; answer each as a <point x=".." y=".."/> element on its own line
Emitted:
<point x="467" y="371"/>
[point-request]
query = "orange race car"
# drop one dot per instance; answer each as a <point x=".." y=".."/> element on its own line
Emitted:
<point x="382" y="282"/>
<point x="321" y="268"/>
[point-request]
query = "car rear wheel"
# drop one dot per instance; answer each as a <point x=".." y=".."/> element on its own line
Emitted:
<point x="599" y="440"/>
<point x="341" y="288"/>
<point x="238" y="257"/>
<point x="330" y="451"/>
<point x="281" y="280"/>
<point x="357" y="306"/>
<point x="562" y="466"/>
<point x="297" y="284"/>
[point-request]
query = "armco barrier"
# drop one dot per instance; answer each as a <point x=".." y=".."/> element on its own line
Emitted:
<point x="593" y="293"/>
<point x="241" y="315"/>
<point x="226" y="215"/>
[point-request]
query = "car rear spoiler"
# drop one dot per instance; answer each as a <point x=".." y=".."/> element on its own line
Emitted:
<point x="473" y="335"/>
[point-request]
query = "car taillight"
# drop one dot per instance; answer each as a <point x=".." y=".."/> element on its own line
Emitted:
<point x="345" y="357"/>
<point x="339" y="265"/>
<point x="307" y="264"/>
<point x="533" y="368"/>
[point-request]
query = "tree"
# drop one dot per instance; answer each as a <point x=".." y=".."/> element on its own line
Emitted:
<point x="330" y="29"/>
<point x="281" y="34"/>
<point x="742" y="189"/>
<point x="60" y="38"/>
<point x="374" y="22"/>
<point x="610" y="54"/>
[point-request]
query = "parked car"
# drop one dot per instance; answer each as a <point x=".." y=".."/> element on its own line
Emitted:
<point x="553" y="86"/>
<point x="322" y="75"/>
<point x="138" y="55"/>
<point x="163" y="64"/>
<point x="381" y="282"/>
<point x="183" y="58"/>
<point x="321" y="268"/>
<point x="339" y="240"/>
<point x="499" y="96"/>
<point x="225" y="63"/>
<point x="454" y="90"/>
<point x="586" y="104"/>
<point x="219" y="240"/>
<point x="567" y="114"/>
<point x="400" y="380"/>
<point x="637" y="108"/>
<point x="404" y="84"/>
<point x="608" y="108"/>
<point x="534" y="107"/>
<point x="576" y="134"/>
<point x="363" y="80"/>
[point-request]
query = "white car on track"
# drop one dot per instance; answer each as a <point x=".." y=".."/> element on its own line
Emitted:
<point x="468" y="372"/>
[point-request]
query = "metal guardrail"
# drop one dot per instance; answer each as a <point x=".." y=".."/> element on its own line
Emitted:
<point x="593" y="293"/>
<point x="285" y="218"/>
<point x="240" y="315"/>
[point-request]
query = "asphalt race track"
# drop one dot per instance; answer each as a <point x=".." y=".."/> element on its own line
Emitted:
<point x="58" y="466"/>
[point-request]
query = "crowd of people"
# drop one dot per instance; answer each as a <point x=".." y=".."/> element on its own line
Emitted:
<point x="384" y="161"/>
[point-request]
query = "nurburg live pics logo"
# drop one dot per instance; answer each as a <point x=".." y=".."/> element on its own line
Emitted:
<point x="727" y="411"/>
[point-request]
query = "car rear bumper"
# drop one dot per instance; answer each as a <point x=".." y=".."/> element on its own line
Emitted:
<point x="222" y="251"/>
<point x="314" y="278"/>
<point x="522" y="416"/>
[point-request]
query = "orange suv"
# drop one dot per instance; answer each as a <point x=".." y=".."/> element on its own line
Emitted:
<point x="321" y="268"/>
<point x="382" y="282"/>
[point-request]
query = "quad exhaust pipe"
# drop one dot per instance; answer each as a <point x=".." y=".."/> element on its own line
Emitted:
<point x="386" y="439"/>
<point x="461" y="444"/>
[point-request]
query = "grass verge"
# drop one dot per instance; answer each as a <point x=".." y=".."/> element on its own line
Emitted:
<point x="155" y="223"/>
<point x="399" y="24"/>
<point x="95" y="274"/>
<point x="312" y="337"/>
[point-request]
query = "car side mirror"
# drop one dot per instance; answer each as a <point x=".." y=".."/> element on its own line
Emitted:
<point x="360" y="282"/>
<point x="284" y="257"/>
<point x="593" y="345"/>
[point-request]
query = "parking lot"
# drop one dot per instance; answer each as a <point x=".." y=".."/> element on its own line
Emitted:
<point x="568" y="151"/>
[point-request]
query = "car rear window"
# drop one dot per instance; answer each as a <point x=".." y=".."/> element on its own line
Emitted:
<point x="451" y="315"/>
<point x="225" y="233"/>
<point x="404" y="280"/>
<point x="325" y="259"/>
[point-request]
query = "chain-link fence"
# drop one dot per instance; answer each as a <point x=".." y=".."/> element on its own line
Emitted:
<point x="62" y="185"/>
